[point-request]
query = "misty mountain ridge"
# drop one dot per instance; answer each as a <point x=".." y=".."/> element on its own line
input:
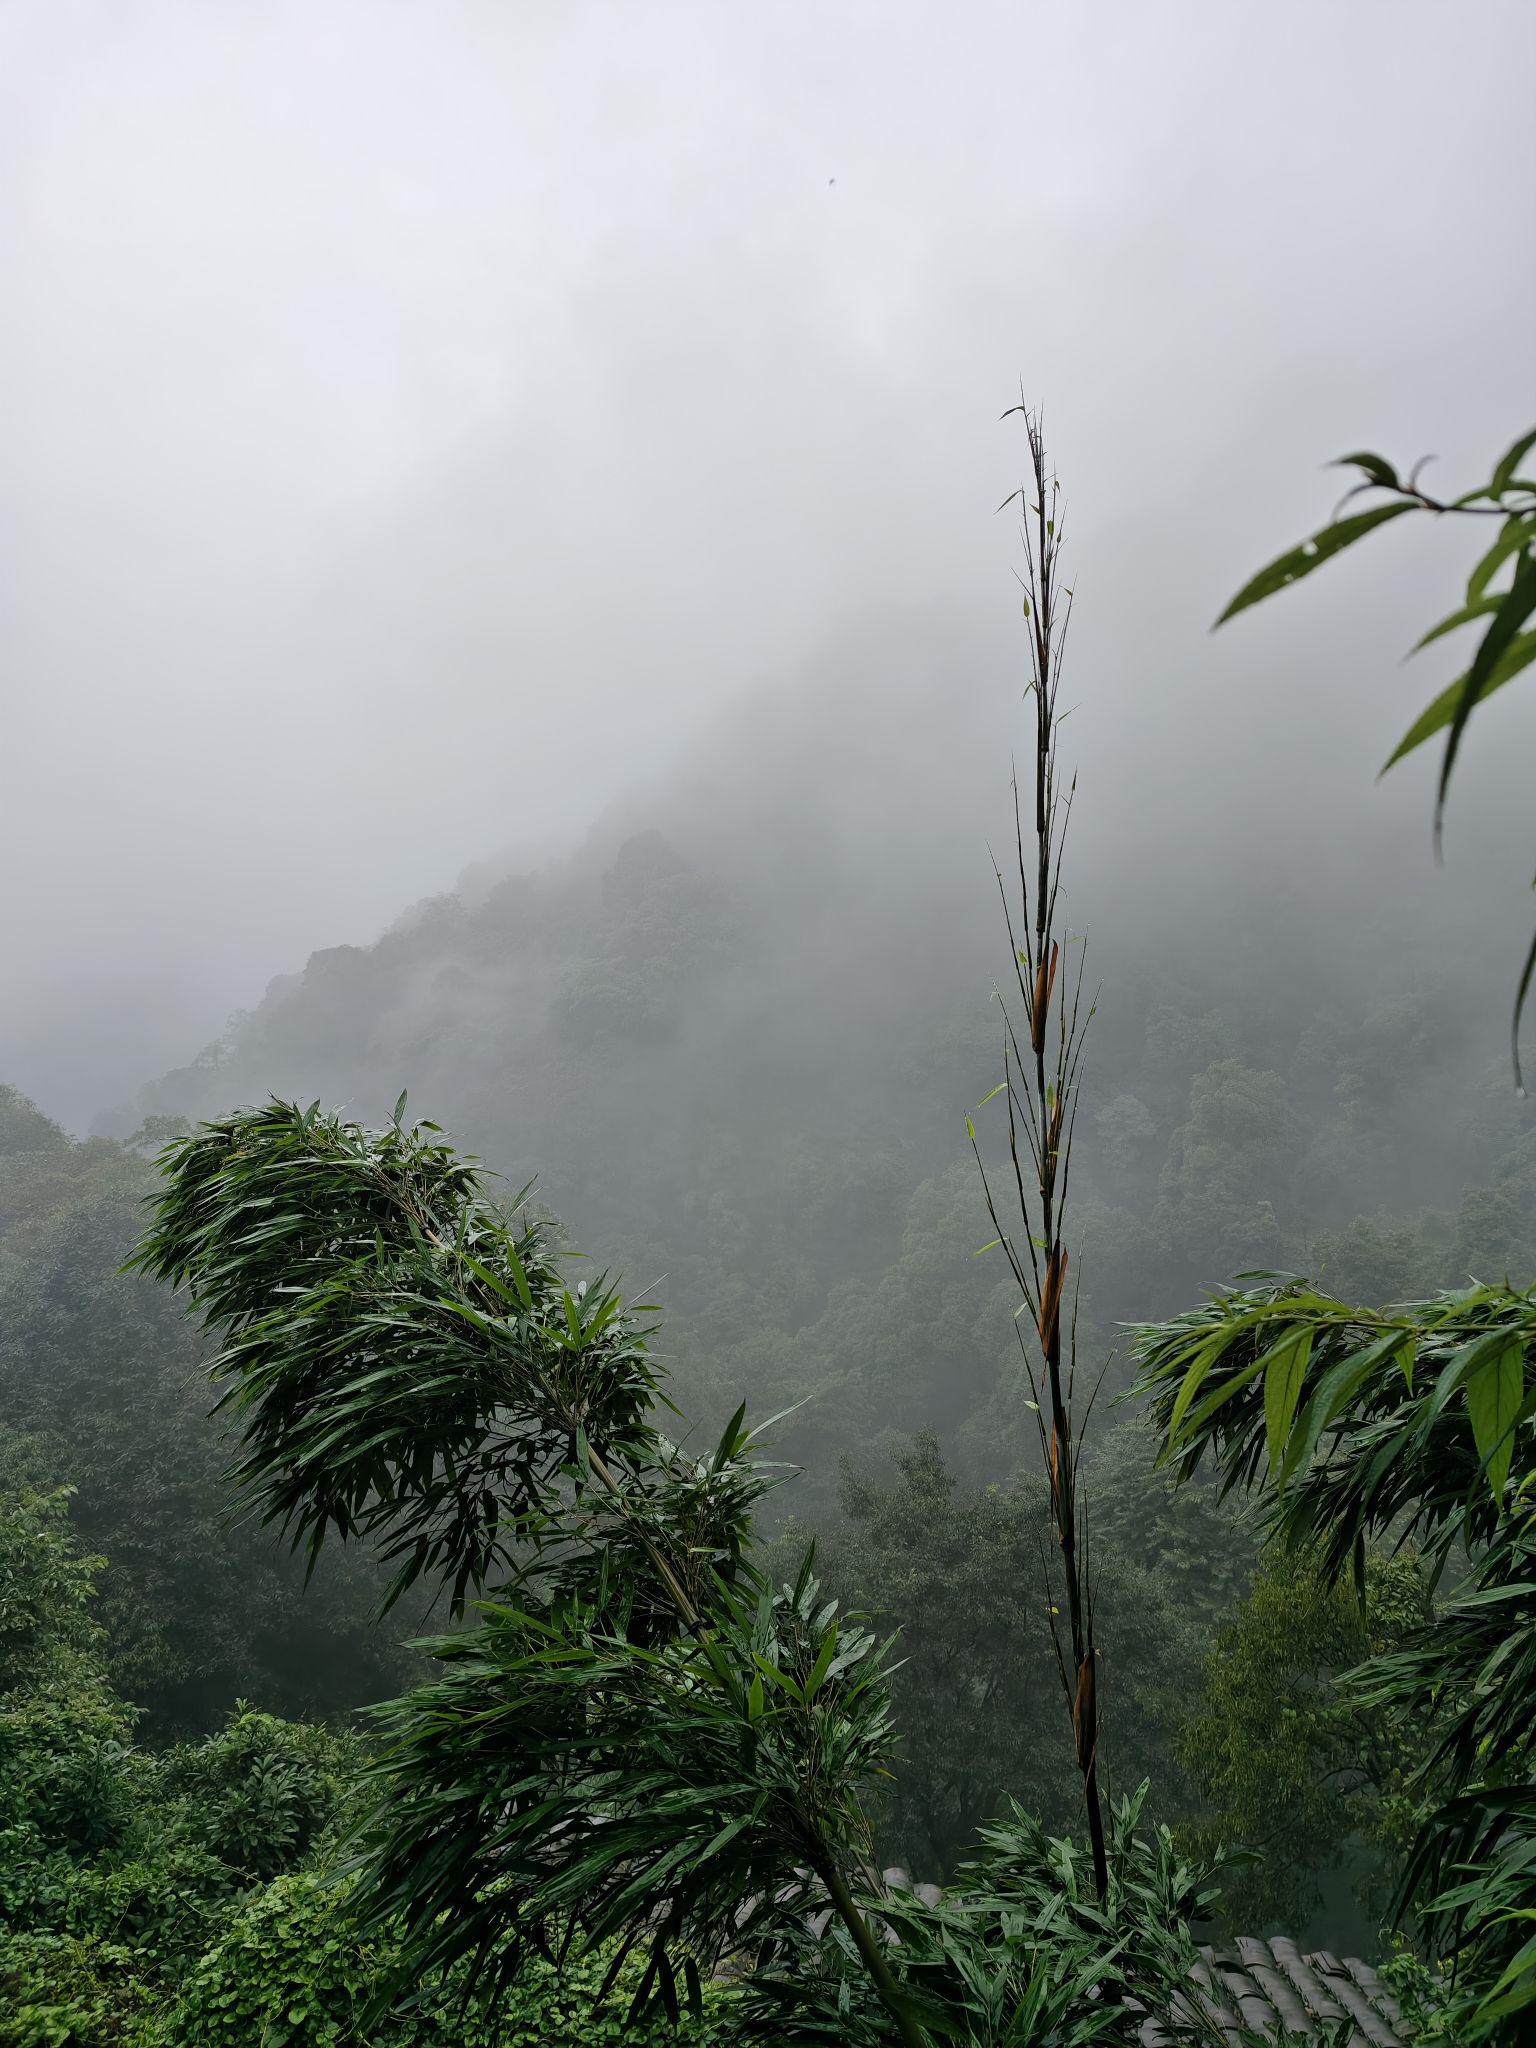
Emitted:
<point x="736" y="1032"/>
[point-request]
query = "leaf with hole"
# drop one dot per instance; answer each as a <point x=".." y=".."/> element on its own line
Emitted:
<point x="1332" y="540"/>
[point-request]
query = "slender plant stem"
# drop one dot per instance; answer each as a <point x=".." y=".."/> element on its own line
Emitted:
<point x="868" y="1945"/>
<point x="674" y="1585"/>
<point x="1040" y="1078"/>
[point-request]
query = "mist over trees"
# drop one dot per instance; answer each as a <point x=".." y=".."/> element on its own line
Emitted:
<point x="747" y="1083"/>
<point x="736" y="1039"/>
<point x="543" y="1498"/>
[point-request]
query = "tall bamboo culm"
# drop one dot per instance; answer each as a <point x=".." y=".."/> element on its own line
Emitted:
<point x="1045" y="1023"/>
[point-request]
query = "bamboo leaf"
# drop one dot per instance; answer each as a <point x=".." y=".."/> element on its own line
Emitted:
<point x="1334" y="1391"/>
<point x="823" y="1662"/>
<point x="1509" y="462"/>
<point x="1300" y="561"/>
<point x="1479" y="608"/>
<point x="1285" y="1367"/>
<point x="1442" y="710"/>
<point x="1407" y="1354"/>
<point x="1219" y="1397"/>
<point x="730" y="1434"/>
<point x="1521" y="993"/>
<point x="1496" y="643"/>
<point x="1513" y="535"/>
<point x="1204" y="1359"/>
<point x="1495" y="1387"/>
<point x="1376" y="467"/>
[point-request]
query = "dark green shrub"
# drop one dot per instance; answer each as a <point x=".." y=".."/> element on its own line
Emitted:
<point x="288" y="1971"/>
<point x="293" y="1970"/>
<point x="260" y="1793"/>
<point x="67" y="1991"/>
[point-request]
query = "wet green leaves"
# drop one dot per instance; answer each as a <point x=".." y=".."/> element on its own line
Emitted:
<point x="1494" y="1377"/>
<point x="1355" y="1417"/>
<point x="1300" y="561"/>
<point x="1410" y="1427"/>
<point x="1505" y="611"/>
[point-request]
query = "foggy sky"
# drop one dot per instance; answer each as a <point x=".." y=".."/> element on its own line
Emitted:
<point x="424" y="422"/>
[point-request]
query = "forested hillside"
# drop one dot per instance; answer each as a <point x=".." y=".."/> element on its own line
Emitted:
<point x="736" y="1036"/>
<point x="101" y="1388"/>
<point x="744" y="1086"/>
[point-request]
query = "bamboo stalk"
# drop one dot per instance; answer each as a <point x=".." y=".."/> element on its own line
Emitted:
<point x="1043" y="1085"/>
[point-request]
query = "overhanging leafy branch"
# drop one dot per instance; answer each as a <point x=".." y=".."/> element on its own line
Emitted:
<point x="1505" y="610"/>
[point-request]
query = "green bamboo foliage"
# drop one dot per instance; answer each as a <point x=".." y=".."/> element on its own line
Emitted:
<point x="1500" y="600"/>
<point x="1364" y="1421"/>
<point x="400" y="1363"/>
<point x="689" y="1800"/>
<point x="638" y="1747"/>
<point x="1414" y="1424"/>
<point x="640" y="1740"/>
<point x="1045" y="1021"/>
<point x="1472" y="1869"/>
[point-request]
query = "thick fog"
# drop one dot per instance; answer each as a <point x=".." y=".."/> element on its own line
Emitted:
<point x="428" y="425"/>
